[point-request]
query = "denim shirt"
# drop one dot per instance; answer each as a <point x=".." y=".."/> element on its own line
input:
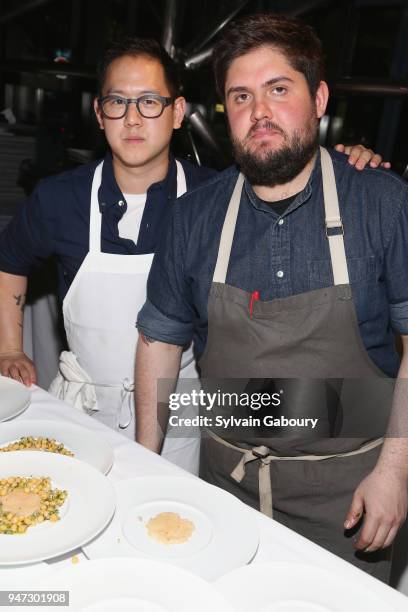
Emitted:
<point x="280" y="256"/>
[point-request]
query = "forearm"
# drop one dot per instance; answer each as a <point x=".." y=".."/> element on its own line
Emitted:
<point x="394" y="454"/>
<point x="382" y="496"/>
<point x="154" y="361"/>
<point x="12" y="299"/>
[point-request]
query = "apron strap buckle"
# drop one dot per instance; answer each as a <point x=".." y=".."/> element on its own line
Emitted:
<point x="332" y="225"/>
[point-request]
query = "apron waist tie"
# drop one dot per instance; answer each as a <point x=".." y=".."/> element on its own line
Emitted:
<point x="126" y="399"/>
<point x="82" y="394"/>
<point x="264" y="456"/>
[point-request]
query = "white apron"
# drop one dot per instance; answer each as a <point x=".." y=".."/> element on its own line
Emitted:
<point x="100" y="311"/>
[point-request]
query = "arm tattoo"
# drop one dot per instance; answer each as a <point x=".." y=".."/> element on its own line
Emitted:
<point x="20" y="299"/>
<point x="146" y="339"/>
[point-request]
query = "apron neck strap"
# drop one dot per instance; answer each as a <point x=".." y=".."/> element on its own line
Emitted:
<point x="227" y="235"/>
<point x="181" y="180"/>
<point x="333" y="221"/>
<point x="95" y="220"/>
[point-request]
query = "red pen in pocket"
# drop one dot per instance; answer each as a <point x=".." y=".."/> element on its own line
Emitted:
<point x="254" y="297"/>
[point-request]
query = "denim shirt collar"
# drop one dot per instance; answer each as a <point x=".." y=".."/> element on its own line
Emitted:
<point x="300" y="199"/>
<point x="109" y="193"/>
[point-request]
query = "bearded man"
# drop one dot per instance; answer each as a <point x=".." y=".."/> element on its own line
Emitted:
<point x="291" y="272"/>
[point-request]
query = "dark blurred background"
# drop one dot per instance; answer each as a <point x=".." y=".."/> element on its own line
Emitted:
<point x="48" y="54"/>
<point x="49" y="50"/>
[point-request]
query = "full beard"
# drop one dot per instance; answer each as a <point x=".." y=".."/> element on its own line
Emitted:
<point x="272" y="168"/>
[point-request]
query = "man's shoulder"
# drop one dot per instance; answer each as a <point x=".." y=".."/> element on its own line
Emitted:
<point x="213" y="191"/>
<point x="381" y="184"/>
<point x="65" y="182"/>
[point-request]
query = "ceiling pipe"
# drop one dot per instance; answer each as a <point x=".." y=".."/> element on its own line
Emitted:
<point x="22" y="9"/>
<point x="200" y="126"/>
<point x="197" y="59"/>
<point x="54" y="68"/>
<point x="197" y="45"/>
<point x="303" y="7"/>
<point x="169" y="26"/>
<point x="398" y="90"/>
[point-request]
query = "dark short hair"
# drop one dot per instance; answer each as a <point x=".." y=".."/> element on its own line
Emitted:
<point x="296" y="40"/>
<point x="135" y="47"/>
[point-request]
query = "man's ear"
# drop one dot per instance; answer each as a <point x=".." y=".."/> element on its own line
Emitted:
<point x="179" y="109"/>
<point x="98" y="113"/>
<point x="321" y="99"/>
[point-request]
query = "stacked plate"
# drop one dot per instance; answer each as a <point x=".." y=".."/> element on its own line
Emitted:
<point x="90" y="501"/>
<point x="83" y="443"/>
<point x="293" y="587"/>
<point x="88" y="508"/>
<point x="137" y="585"/>
<point x="223" y="532"/>
<point x="14" y="398"/>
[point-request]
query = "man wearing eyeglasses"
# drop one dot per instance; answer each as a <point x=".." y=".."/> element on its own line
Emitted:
<point x="102" y="222"/>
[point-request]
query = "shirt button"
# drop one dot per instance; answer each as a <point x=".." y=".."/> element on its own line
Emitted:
<point x="279" y="274"/>
<point x="103" y="204"/>
<point x="121" y="203"/>
<point x="281" y="222"/>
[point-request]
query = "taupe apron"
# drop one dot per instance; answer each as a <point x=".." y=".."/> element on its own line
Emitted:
<point x="309" y="345"/>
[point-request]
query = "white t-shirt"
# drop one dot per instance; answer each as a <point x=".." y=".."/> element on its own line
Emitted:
<point x="129" y="225"/>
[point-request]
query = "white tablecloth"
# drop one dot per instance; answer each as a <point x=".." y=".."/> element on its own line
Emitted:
<point x="277" y="543"/>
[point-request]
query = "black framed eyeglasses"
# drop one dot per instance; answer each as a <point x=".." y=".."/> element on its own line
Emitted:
<point x="149" y="106"/>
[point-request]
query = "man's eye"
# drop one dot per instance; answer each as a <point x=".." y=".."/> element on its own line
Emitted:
<point x="150" y="101"/>
<point x="243" y="97"/>
<point x="117" y="101"/>
<point x="279" y="90"/>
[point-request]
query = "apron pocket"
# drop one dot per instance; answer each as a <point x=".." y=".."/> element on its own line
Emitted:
<point x="361" y="270"/>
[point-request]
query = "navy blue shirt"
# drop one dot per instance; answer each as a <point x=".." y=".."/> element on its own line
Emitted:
<point x="55" y="219"/>
<point x="286" y="255"/>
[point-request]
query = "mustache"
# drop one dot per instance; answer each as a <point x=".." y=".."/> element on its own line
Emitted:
<point x="265" y="125"/>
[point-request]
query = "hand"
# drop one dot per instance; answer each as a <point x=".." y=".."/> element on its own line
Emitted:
<point x="382" y="495"/>
<point x="359" y="156"/>
<point x="17" y="365"/>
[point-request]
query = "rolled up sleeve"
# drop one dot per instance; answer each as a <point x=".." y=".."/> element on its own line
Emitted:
<point x="396" y="270"/>
<point x="168" y="314"/>
<point x="154" y="324"/>
<point x="399" y="317"/>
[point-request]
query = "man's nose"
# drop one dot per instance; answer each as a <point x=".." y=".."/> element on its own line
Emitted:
<point x="133" y="117"/>
<point x="260" y="110"/>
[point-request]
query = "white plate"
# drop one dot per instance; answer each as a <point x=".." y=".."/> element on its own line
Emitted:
<point x="225" y="536"/>
<point x="139" y="585"/>
<point x="87" y="510"/>
<point x="14" y="398"/>
<point x="85" y="444"/>
<point x="292" y="587"/>
<point x="23" y="577"/>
